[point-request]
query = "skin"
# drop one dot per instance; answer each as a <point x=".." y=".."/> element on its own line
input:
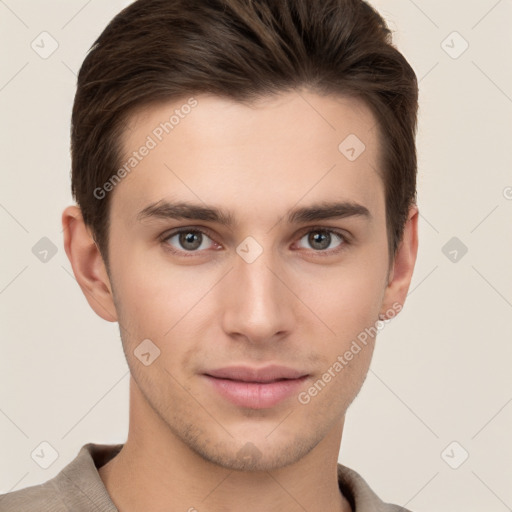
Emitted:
<point x="296" y="305"/>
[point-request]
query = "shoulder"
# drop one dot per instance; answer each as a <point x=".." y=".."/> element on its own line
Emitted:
<point x="37" y="498"/>
<point x="77" y="487"/>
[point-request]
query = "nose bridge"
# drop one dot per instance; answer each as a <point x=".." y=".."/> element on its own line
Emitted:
<point x="256" y="305"/>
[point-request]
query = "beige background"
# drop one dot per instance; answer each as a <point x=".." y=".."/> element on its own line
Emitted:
<point x="441" y="371"/>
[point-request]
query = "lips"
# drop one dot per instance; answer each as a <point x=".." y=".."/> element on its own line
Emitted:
<point x="261" y="375"/>
<point x="256" y="388"/>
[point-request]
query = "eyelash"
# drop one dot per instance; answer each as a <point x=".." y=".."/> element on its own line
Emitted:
<point x="345" y="241"/>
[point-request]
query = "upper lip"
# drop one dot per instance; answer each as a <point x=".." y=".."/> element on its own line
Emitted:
<point x="247" y="374"/>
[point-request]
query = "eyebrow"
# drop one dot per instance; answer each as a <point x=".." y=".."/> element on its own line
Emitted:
<point x="184" y="210"/>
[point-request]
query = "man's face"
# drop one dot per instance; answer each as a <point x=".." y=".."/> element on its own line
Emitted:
<point x="265" y="290"/>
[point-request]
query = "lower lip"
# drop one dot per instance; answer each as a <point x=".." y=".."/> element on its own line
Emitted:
<point x="256" y="395"/>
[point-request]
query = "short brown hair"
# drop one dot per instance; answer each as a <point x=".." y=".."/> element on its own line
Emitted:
<point x="161" y="50"/>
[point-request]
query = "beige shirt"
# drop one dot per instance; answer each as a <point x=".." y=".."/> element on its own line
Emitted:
<point x="79" y="488"/>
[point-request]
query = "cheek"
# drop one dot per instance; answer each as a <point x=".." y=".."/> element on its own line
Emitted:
<point x="347" y="298"/>
<point x="158" y="295"/>
<point x="349" y="304"/>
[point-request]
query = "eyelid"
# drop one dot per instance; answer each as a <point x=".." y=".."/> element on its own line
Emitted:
<point x="176" y="231"/>
<point x="344" y="236"/>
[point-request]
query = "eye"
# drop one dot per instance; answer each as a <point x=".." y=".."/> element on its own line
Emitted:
<point x="188" y="240"/>
<point x="322" y="239"/>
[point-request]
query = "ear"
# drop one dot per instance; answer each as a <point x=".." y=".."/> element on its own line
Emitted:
<point x="87" y="263"/>
<point x="402" y="266"/>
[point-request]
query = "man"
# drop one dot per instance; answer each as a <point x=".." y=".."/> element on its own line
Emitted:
<point x="245" y="173"/>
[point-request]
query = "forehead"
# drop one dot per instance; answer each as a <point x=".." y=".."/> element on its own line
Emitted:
<point x="296" y="146"/>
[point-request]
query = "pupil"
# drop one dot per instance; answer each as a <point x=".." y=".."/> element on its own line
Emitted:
<point x="190" y="238"/>
<point x="321" y="238"/>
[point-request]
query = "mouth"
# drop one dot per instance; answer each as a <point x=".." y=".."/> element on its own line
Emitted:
<point x="256" y="388"/>
<point x="251" y="381"/>
<point x="262" y="375"/>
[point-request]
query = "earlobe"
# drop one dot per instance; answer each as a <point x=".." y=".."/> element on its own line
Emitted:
<point x="87" y="263"/>
<point x="403" y="266"/>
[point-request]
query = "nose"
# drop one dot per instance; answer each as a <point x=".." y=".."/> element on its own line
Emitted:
<point x="257" y="305"/>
